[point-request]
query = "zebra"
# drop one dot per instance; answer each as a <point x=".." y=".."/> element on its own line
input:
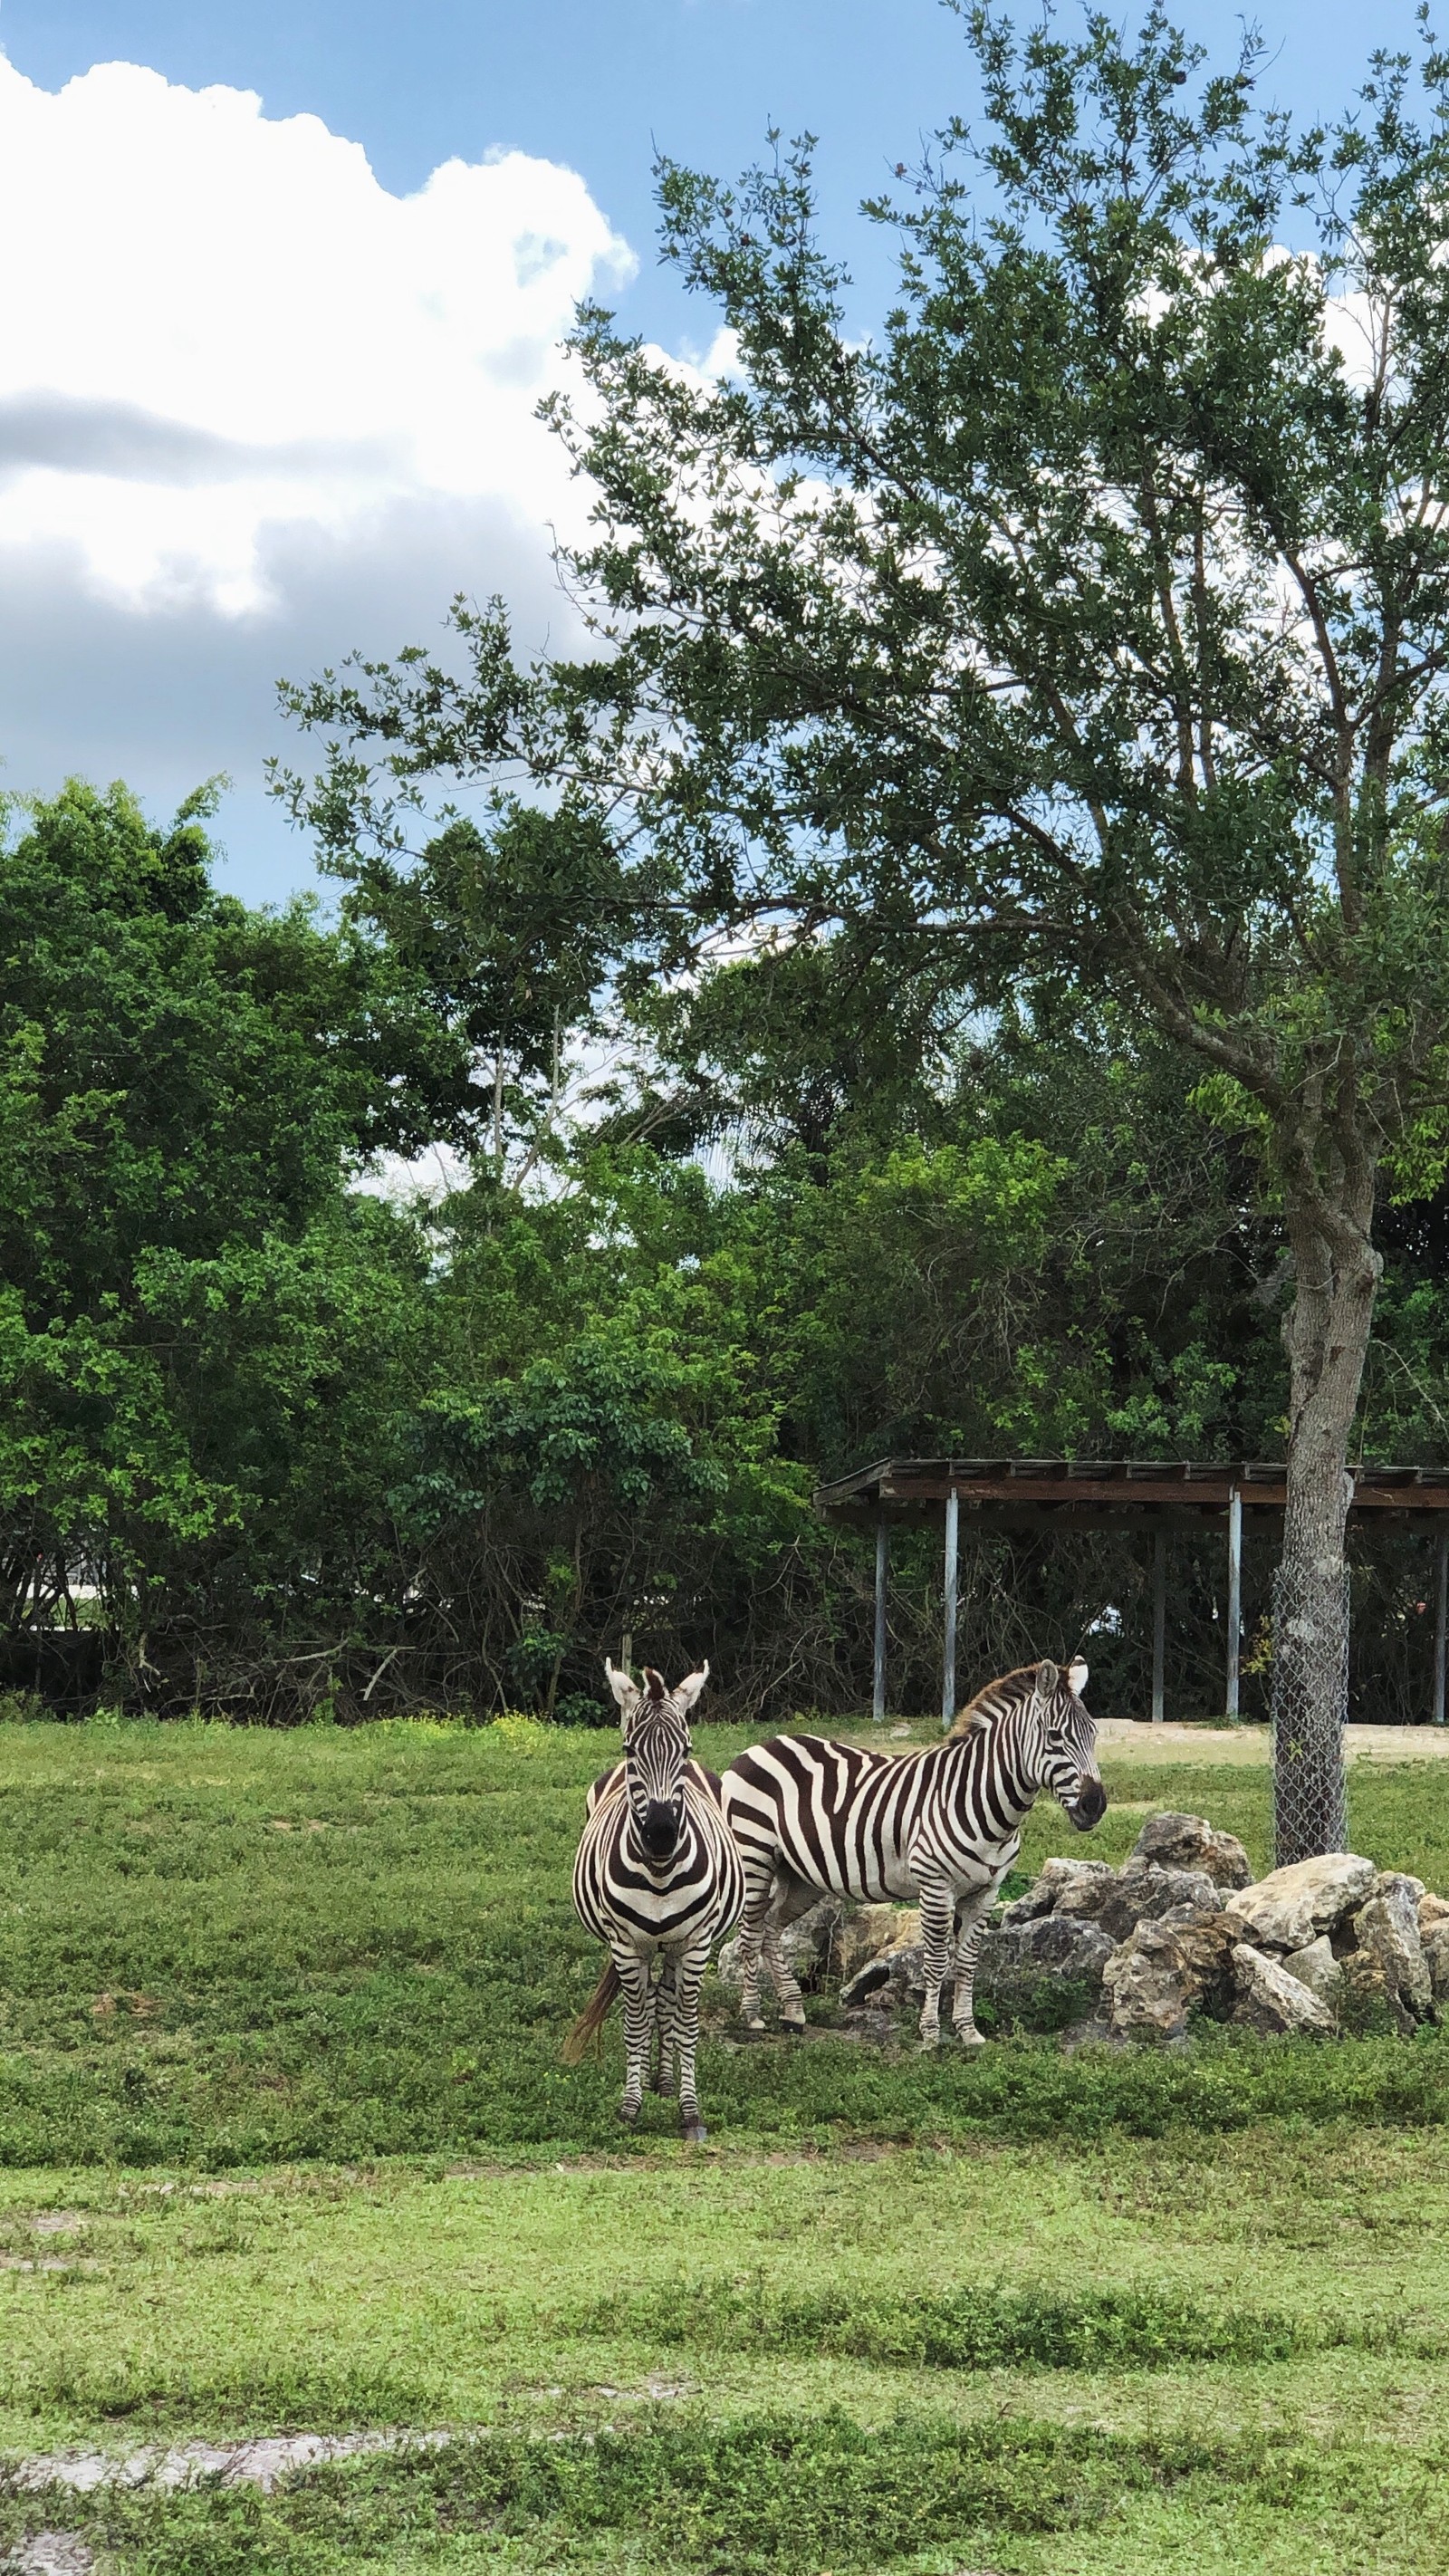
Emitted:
<point x="657" y="1875"/>
<point x="943" y="1826"/>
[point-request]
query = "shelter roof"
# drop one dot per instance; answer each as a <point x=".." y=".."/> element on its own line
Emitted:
<point x="1097" y="1493"/>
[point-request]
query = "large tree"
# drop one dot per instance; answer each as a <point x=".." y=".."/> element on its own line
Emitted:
<point x="199" y="1323"/>
<point x="1084" y="630"/>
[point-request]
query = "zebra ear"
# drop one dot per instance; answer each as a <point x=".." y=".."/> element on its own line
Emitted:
<point x="1077" y="1678"/>
<point x="1048" y="1676"/>
<point x="689" y="1689"/>
<point x="625" y="1691"/>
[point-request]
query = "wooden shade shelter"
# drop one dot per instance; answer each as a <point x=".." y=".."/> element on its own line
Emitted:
<point x="1094" y="1493"/>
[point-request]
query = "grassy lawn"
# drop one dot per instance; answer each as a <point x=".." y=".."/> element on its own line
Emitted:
<point x="285" y="2143"/>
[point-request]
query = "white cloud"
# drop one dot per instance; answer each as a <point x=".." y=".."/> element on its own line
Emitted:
<point x="241" y="385"/>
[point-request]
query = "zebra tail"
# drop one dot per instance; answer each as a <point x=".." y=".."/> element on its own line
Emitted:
<point x="591" y="2020"/>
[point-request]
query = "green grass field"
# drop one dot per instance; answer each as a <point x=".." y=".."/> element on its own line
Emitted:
<point x="285" y="2143"/>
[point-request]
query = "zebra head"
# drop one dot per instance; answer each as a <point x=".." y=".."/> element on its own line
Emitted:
<point x="1069" y="1744"/>
<point x="656" y="1748"/>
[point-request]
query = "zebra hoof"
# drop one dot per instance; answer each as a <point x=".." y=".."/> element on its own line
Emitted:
<point x="754" y="2021"/>
<point x="793" y="2022"/>
<point x="930" y="2042"/>
<point x="972" y="2038"/>
<point x="627" y="2115"/>
<point x="695" y="2133"/>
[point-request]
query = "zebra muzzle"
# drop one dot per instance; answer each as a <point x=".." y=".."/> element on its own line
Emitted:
<point x="660" y="1830"/>
<point x="1089" y="1805"/>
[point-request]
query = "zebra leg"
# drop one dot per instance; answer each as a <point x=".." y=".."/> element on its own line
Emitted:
<point x="970" y="1924"/>
<point x="789" y="1898"/>
<point x="759" y="1890"/>
<point x="665" y="2009"/>
<point x="638" y="2024"/>
<point x="688" y="1977"/>
<point x="786" y="1983"/>
<point x="938" y="1921"/>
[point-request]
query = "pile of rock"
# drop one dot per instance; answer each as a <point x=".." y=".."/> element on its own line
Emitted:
<point x="1182" y="1931"/>
<point x="1320" y="1946"/>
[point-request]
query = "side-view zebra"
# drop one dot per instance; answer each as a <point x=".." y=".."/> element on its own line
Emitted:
<point x="942" y="1826"/>
<point x="657" y="1877"/>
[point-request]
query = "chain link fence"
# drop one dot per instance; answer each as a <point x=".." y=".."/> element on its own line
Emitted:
<point x="1310" y="1787"/>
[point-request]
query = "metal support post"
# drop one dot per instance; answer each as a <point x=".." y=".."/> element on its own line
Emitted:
<point x="1235" y="1594"/>
<point x="1159" y="1623"/>
<point x="948" y="1655"/>
<point x="882" y="1562"/>
<point x="1441" y="1620"/>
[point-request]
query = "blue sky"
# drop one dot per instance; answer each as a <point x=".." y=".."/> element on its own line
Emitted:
<point x="207" y="477"/>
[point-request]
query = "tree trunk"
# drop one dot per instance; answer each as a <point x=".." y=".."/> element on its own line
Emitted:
<point x="1326" y="1333"/>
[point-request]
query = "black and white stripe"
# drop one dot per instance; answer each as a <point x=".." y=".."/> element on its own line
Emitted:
<point x="942" y="1827"/>
<point x="657" y="1877"/>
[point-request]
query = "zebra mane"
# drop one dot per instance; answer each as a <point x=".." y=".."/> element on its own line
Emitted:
<point x="994" y="1700"/>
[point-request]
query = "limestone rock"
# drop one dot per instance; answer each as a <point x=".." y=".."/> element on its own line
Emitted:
<point x="1289" y="1908"/>
<point x="1271" y="2001"/>
<point x="1316" y="1968"/>
<point x="1137" y="1894"/>
<point x="1144" y="1998"/>
<point x="1386" y="1941"/>
<point x="1399" y="1880"/>
<point x="1190" y="1842"/>
<point x="868" y="1930"/>
<point x="893" y="1979"/>
<point x="1169" y="1967"/>
<point x="1038" y="1973"/>
<point x="1043" y="1973"/>
<point x="1434" y="1942"/>
<point x="1370" y="2000"/>
<point x="806" y="1943"/>
<point x="1044" y="1893"/>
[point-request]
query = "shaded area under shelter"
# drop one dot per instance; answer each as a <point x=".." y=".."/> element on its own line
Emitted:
<point x="1154" y="1496"/>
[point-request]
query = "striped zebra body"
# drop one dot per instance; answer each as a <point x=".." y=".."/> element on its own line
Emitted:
<point x="941" y="1827"/>
<point x="658" y="1879"/>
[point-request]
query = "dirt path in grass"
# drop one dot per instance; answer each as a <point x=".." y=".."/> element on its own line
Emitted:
<point x="1178" y="1741"/>
<point x="258" y="2463"/>
<point x="1171" y="1742"/>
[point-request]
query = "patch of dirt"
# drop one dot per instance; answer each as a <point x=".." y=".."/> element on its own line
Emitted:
<point x="50" y="2553"/>
<point x="188" y="2464"/>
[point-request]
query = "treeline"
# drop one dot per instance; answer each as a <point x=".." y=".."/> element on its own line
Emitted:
<point x="279" y="1445"/>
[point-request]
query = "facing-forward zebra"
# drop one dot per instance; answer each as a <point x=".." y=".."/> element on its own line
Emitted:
<point x="943" y="1826"/>
<point x="658" y="1878"/>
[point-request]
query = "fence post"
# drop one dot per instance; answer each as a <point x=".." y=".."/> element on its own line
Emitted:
<point x="948" y="1653"/>
<point x="1159" y="1624"/>
<point x="882" y="1561"/>
<point x="1235" y="1594"/>
<point x="1441" y="1620"/>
